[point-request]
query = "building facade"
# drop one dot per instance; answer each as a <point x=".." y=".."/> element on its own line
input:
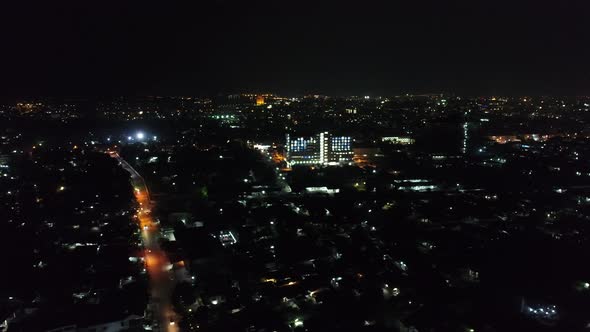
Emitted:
<point x="321" y="149"/>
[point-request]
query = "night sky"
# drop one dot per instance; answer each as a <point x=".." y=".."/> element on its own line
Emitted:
<point x="294" y="47"/>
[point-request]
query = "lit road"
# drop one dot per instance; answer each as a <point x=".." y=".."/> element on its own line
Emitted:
<point x="161" y="278"/>
<point x="285" y="188"/>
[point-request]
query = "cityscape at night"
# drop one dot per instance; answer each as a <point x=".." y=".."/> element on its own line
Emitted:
<point x="263" y="167"/>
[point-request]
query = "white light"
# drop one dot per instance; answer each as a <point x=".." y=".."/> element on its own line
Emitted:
<point x="140" y="135"/>
<point x="297" y="322"/>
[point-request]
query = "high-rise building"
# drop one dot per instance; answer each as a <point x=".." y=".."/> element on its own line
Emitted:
<point x="340" y="149"/>
<point x="303" y="150"/>
<point x="320" y="149"/>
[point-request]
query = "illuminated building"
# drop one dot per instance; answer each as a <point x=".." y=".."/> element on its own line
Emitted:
<point x="303" y="150"/>
<point x="227" y="238"/>
<point x="340" y="149"/>
<point x="398" y="140"/>
<point x="260" y="100"/>
<point x="465" y="137"/>
<point x="320" y="149"/>
<point x="226" y="119"/>
<point x="4" y="160"/>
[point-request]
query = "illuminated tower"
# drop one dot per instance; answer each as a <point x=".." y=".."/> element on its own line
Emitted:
<point x="259" y="100"/>
<point x="465" y="137"/>
<point x="323" y="148"/>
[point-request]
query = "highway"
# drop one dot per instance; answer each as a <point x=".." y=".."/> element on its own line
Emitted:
<point x="161" y="278"/>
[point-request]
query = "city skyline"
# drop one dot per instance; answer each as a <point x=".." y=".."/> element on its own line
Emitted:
<point x="264" y="212"/>
<point x="295" y="166"/>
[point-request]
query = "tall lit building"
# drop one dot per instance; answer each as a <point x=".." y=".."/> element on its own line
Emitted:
<point x="340" y="149"/>
<point x="320" y="149"/>
<point x="465" y="137"/>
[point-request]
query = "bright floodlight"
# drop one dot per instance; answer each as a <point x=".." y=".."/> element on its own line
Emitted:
<point x="140" y="135"/>
<point x="297" y="322"/>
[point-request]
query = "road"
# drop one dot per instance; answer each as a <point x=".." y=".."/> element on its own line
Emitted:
<point x="158" y="267"/>
<point x="285" y="188"/>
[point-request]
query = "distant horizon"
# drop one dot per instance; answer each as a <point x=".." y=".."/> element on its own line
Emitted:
<point x="287" y="95"/>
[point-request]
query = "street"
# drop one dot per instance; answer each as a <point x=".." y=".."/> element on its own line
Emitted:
<point x="161" y="278"/>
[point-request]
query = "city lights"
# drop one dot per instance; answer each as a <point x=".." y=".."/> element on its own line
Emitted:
<point x="296" y="167"/>
<point x="396" y="202"/>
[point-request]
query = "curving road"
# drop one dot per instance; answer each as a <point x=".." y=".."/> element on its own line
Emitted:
<point x="158" y="267"/>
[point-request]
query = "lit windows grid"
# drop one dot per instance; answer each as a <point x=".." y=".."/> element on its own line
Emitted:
<point x="341" y="143"/>
<point x="322" y="148"/>
<point x="300" y="144"/>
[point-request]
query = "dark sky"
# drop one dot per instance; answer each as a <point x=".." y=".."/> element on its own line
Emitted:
<point x="338" y="47"/>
